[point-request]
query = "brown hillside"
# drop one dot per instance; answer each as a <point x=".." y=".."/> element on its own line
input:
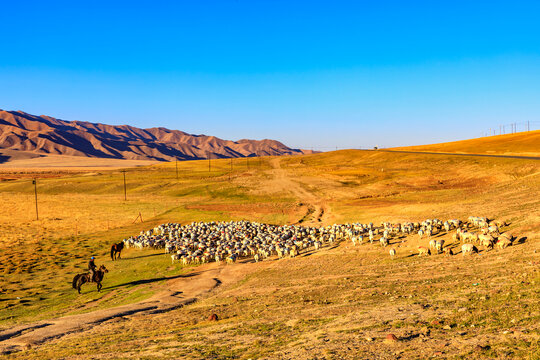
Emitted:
<point x="44" y="135"/>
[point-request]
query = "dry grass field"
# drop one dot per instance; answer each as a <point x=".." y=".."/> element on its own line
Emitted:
<point x="522" y="143"/>
<point x="338" y="303"/>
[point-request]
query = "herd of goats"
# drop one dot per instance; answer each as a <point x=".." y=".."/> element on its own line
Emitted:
<point x="200" y="242"/>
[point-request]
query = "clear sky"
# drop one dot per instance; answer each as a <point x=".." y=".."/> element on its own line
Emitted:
<point x="315" y="74"/>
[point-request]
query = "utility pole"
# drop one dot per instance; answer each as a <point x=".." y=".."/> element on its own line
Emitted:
<point x="176" y="169"/>
<point x="231" y="164"/>
<point x="528" y="127"/>
<point x="209" y="165"/>
<point x="35" y="193"/>
<point x="125" y="191"/>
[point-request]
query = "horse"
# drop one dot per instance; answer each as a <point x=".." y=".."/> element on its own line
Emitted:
<point x="80" y="279"/>
<point x="116" y="249"/>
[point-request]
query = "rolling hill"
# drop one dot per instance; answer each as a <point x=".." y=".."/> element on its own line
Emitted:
<point x="24" y="135"/>
<point x="518" y="144"/>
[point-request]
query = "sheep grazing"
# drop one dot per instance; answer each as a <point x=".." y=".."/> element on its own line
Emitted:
<point x="468" y="248"/>
<point x="175" y="257"/>
<point x="202" y="242"/>
<point x="439" y="244"/>
<point x="231" y="259"/>
<point x="448" y="251"/>
<point x="486" y="240"/>
<point x="469" y="236"/>
<point x="504" y="241"/>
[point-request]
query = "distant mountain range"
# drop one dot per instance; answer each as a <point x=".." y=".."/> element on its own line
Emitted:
<point x="44" y="135"/>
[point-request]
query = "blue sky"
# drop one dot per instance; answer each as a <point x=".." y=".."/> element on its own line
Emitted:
<point x="315" y="74"/>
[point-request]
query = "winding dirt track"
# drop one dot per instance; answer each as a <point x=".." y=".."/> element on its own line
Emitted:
<point x="179" y="292"/>
<point x="317" y="211"/>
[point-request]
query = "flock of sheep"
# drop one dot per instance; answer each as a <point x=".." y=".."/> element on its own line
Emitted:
<point x="488" y="234"/>
<point x="229" y="241"/>
<point x="201" y="242"/>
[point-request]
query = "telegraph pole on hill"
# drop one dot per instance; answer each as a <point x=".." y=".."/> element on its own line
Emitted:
<point x="125" y="191"/>
<point x="35" y="193"/>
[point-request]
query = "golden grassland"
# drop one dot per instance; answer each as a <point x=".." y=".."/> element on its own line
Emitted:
<point x="522" y="143"/>
<point x="338" y="303"/>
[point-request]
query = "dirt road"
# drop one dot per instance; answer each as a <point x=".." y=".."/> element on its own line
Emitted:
<point x="317" y="211"/>
<point x="178" y="292"/>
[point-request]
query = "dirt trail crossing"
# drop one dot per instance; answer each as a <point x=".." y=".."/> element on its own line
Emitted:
<point x="317" y="211"/>
<point x="179" y="292"/>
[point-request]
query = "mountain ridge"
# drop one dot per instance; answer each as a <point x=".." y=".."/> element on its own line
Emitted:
<point x="46" y="135"/>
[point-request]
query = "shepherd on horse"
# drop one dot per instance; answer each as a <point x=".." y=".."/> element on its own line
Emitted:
<point x="116" y="249"/>
<point x="93" y="275"/>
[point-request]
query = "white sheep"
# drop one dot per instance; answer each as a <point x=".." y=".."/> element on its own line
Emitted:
<point x="468" y="248"/>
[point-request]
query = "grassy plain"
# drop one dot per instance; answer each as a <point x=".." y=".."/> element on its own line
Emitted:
<point x="339" y="303"/>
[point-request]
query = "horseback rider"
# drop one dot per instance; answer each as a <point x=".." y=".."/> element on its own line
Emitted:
<point x="91" y="268"/>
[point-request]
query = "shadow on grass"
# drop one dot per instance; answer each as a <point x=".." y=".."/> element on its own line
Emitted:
<point x="313" y="251"/>
<point x="141" y="256"/>
<point x="149" y="281"/>
<point x="410" y="337"/>
<point x="522" y="240"/>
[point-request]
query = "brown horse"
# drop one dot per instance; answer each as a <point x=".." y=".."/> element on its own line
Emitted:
<point x="116" y="249"/>
<point x="80" y="279"/>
